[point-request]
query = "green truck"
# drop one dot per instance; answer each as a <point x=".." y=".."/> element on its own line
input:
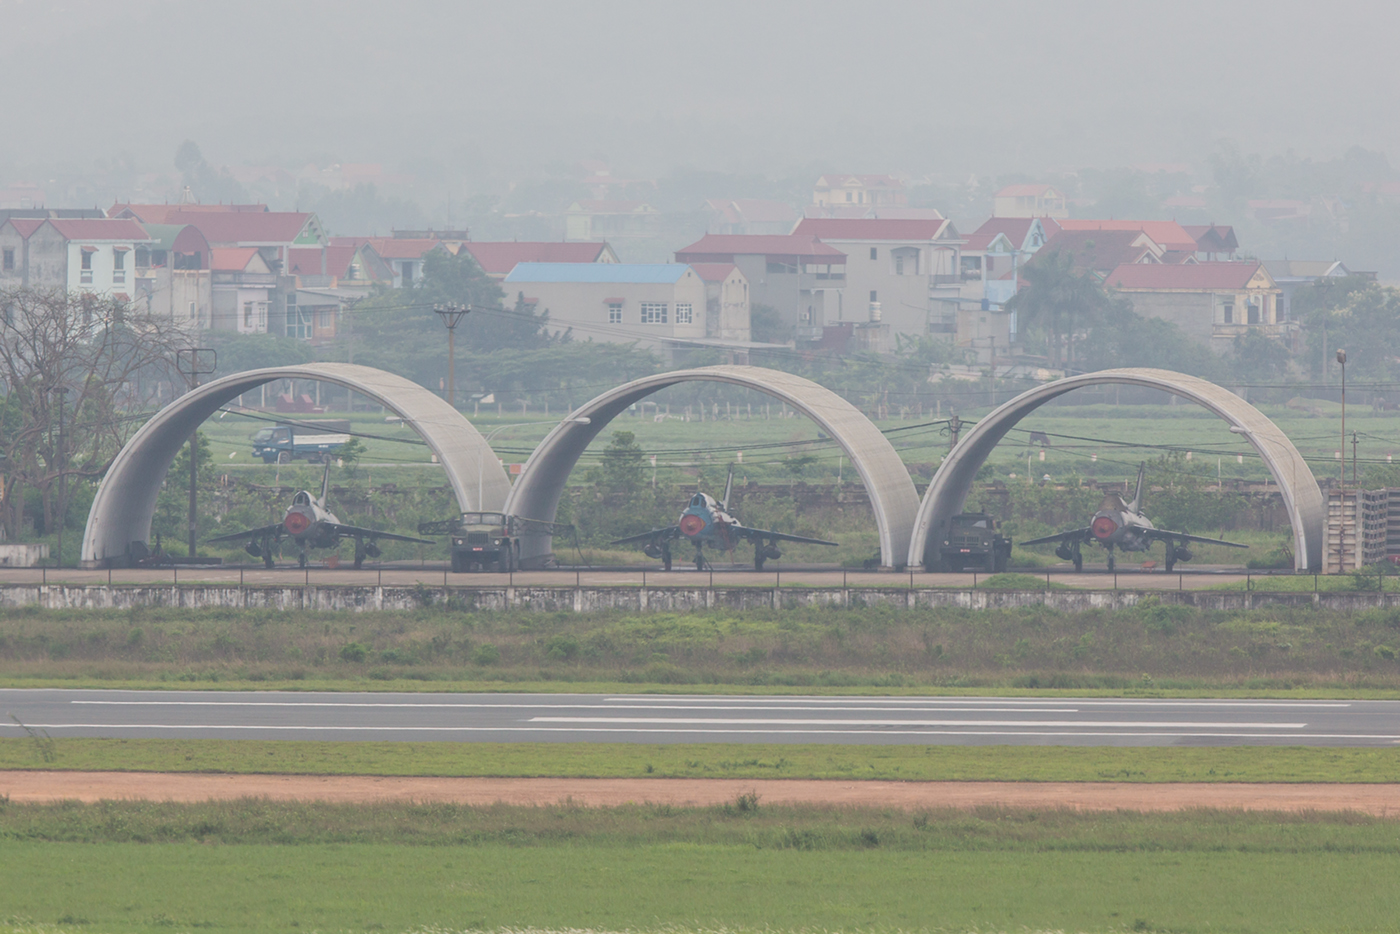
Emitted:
<point x="972" y="542"/>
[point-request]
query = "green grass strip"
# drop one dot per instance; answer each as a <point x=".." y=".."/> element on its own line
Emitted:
<point x="711" y="760"/>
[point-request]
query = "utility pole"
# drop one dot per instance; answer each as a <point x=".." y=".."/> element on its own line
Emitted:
<point x="1342" y="495"/>
<point x="954" y="426"/>
<point x="61" y="391"/>
<point x="193" y="363"/>
<point x="1342" y="359"/>
<point x="451" y="316"/>
<point x="1353" y="462"/>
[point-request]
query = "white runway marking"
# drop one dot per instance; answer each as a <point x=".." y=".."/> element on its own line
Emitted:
<point x="766" y="732"/>
<point x="1142" y="724"/>
<point x="177" y="703"/>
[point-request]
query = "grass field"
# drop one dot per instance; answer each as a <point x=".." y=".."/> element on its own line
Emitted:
<point x="710" y="760"/>
<point x="1150" y="649"/>
<point x="257" y="866"/>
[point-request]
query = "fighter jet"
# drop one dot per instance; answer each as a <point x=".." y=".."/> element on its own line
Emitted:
<point x="311" y="525"/>
<point x="705" y="521"/>
<point x="1123" y="526"/>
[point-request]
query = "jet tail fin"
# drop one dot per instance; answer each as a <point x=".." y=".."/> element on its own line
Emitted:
<point x="728" y="488"/>
<point x="1136" y="504"/>
<point x="325" y="484"/>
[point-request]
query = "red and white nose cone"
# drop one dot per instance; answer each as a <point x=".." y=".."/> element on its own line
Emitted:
<point x="1103" y="527"/>
<point x="296" y="522"/>
<point x="692" y="524"/>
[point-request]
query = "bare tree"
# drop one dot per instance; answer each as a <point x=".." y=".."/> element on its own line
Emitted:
<point x="79" y="371"/>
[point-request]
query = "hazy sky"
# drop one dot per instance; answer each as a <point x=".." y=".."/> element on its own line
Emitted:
<point x="917" y="87"/>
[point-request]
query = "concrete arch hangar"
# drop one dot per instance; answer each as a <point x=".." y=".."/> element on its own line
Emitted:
<point x="1307" y="511"/>
<point x="892" y="495"/>
<point x="126" y="499"/>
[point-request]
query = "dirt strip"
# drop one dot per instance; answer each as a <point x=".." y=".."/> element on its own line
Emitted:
<point x="42" y="787"/>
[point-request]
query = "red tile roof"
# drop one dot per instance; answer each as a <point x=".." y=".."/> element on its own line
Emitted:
<point x="1213" y="238"/>
<point x="397" y="248"/>
<point x="231" y="259"/>
<point x="1197" y="277"/>
<point x="306" y="261"/>
<point x="26" y="225"/>
<point x="1169" y="235"/>
<point x="713" y="272"/>
<point x="1016" y="228"/>
<point x="500" y="258"/>
<point x="103" y="228"/>
<point x="1097" y="250"/>
<point x="711" y="247"/>
<point x="1026" y="191"/>
<point x="228" y="228"/>
<point x="157" y="213"/>
<point x="349" y="241"/>
<point x="837" y="228"/>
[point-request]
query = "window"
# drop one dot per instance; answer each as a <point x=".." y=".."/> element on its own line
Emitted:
<point x="193" y="311"/>
<point x="85" y="273"/>
<point x="87" y="261"/>
<point x="118" y="265"/>
<point x="874" y="253"/>
<point x="684" y="314"/>
<point x="653" y="312"/>
<point x="848" y="196"/>
<point x="614" y="312"/>
<point x="9" y="260"/>
<point x="406" y="270"/>
<point x="1252" y="312"/>
<point x="1228" y="313"/>
<point x="874" y="295"/>
<point x="247" y="316"/>
<point x="325" y="319"/>
<point x="781" y="267"/>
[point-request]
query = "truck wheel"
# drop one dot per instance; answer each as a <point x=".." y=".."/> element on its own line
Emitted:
<point x="459" y="563"/>
<point x="989" y="563"/>
<point x="284" y="457"/>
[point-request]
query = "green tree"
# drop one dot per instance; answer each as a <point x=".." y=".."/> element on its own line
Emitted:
<point x="624" y="464"/>
<point x="1057" y="302"/>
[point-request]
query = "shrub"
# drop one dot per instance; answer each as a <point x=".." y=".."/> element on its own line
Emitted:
<point x="486" y="654"/>
<point x="354" y="652"/>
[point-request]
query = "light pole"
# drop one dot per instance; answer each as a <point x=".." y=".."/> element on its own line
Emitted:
<point x="193" y="363"/>
<point x="480" y="461"/>
<point x="1342" y="359"/>
<point x="61" y="391"/>
<point x="451" y="316"/>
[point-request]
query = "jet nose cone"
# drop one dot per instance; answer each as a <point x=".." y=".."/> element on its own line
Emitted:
<point x="692" y="525"/>
<point x="1103" y="526"/>
<point x="297" y="522"/>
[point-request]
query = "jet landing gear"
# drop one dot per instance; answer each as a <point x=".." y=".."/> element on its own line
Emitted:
<point x="762" y="553"/>
<point x="1176" y="553"/>
<point x="371" y="550"/>
<point x="700" y="563"/>
<point x="261" y="549"/>
<point x="1110" y="561"/>
<point x="1070" y="552"/>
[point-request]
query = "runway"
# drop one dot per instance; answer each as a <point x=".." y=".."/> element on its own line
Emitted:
<point x="700" y="719"/>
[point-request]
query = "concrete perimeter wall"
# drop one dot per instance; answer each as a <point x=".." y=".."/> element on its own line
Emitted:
<point x="636" y="599"/>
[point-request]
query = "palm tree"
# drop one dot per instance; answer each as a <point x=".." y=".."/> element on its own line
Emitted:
<point x="1059" y="301"/>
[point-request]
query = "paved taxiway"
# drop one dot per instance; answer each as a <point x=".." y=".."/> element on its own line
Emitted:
<point x="682" y="719"/>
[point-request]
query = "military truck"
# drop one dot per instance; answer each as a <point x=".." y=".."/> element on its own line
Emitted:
<point x="971" y="542"/>
<point x="481" y="541"/>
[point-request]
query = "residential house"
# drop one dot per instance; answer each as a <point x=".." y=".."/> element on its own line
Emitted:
<point x="498" y="259"/>
<point x="994" y="251"/>
<point x="1029" y="201"/>
<point x="244" y="286"/>
<point x="1293" y="274"/>
<point x="903" y="274"/>
<point x="726" y="301"/>
<point x="796" y="275"/>
<point x="160" y="213"/>
<point x="858" y="190"/>
<point x="656" y="305"/>
<point x="749" y="216"/>
<point x="89" y="255"/>
<point x="593" y="219"/>
<point x="1213" y="241"/>
<point x="1174" y="240"/>
<point x="404" y="258"/>
<point x="1101" y="251"/>
<point x="173" y="276"/>
<point x="1212" y="303"/>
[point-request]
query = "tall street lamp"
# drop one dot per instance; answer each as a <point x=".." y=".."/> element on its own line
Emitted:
<point x="451" y="316"/>
<point x="1342" y="359"/>
<point x="1342" y="497"/>
<point x="61" y="392"/>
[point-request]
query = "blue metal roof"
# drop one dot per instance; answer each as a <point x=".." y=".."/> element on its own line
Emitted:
<point x="636" y="273"/>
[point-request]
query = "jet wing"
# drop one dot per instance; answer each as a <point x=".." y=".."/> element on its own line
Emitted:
<point x="665" y="534"/>
<point x="1163" y="535"/>
<point x="744" y="531"/>
<point x="354" y="531"/>
<point x="1074" y="534"/>
<point x="267" y="531"/>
